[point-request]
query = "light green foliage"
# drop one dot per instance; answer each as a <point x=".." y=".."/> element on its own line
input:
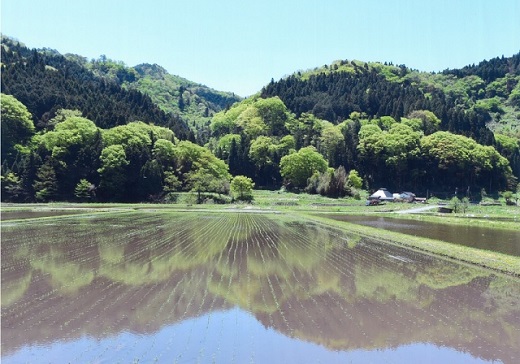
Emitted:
<point x="460" y="152"/>
<point x="266" y="151"/>
<point x="499" y="87"/>
<point x="337" y="66"/>
<point x="384" y="122"/>
<point x="297" y="167"/>
<point x="507" y="144"/>
<point x="113" y="157"/>
<point x="274" y="114"/>
<point x="171" y="182"/>
<point x="415" y="124"/>
<point x="506" y="122"/>
<point x="307" y="128"/>
<point x="242" y="188"/>
<point x="114" y="70"/>
<point x="464" y="204"/>
<point x="222" y="123"/>
<point x="514" y="96"/>
<point x="489" y="105"/>
<point x="224" y="143"/>
<point x="73" y="131"/>
<point x="507" y="195"/>
<point x="199" y="103"/>
<point x="17" y="126"/>
<point x="136" y="133"/>
<point x="254" y="116"/>
<point x="112" y="171"/>
<point x="286" y="144"/>
<point x="251" y="122"/>
<point x="164" y="152"/>
<point x="393" y="149"/>
<point x="262" y="150"/>
<point x="456" y="204"/>
<point x="401" y="144"/>
<point x="191" y="157"/>
<point x="205" y="180"/>
<point x="354" y="180"/>
<point x="370" y="140"/>
<point x="461" y="89"/>
<point x="449" y="149"/>
<point x="83" y="190"/>
<point x="330" y="140"/>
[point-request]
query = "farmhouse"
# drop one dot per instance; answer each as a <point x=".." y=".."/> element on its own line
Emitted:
<point x="382" y="194"/>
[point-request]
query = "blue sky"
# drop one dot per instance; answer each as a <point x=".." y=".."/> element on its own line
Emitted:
<point x="239" y="45"/>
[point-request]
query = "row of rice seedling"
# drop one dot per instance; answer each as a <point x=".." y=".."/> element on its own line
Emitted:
<point x="223" y="232"/>
<point x="142" y="272"/>
<point x="198" y="282"/>
<point x="222" y="284"/>
<point x="308" y="301"/>
<point x="372" y="255"/>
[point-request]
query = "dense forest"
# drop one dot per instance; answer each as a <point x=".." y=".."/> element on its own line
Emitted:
<point x="74" y="129"/>
<point x="46" y="81"/>
<point x="194" y="103"/>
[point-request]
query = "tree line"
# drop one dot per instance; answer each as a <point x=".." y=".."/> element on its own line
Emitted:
<point x="261" y="138"/>
<point x="75" y="132"/>
<point x="73" y="159"/>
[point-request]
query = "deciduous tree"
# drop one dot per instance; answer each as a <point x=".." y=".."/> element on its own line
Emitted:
<point x="242" y="188"/>
<point x="17" y="126"/>
<point x="297" y="167"/>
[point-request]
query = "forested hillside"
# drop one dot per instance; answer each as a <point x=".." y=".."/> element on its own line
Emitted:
<point x="193" y="102"/>
<point x="99" y="130"/>
<point x="46" y="81"/>
<point x="464" y="101"/>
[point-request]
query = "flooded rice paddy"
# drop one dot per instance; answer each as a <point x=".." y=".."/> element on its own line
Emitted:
<point x="498" y="240"/>
<point x="34" y="214"/>
<point x="236" y="288"/>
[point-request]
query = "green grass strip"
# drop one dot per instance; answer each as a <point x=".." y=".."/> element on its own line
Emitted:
<point x="503" y="263"/>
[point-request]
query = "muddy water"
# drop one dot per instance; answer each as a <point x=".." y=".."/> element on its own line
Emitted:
<point x="241" y="288"/>
<point x="33" y="214"/>
<point x="499" y="240"/>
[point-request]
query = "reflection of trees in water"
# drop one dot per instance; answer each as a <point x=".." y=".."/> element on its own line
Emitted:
<point x="140" y="272"/>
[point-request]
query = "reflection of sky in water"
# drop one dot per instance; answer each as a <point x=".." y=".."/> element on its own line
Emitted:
<point x="223" y="337"/>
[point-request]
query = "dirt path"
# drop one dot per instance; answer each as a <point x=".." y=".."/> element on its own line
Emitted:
<point x="417" y="209"/>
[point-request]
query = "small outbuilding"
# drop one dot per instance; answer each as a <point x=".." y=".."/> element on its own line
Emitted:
<point x="404" y="197"/>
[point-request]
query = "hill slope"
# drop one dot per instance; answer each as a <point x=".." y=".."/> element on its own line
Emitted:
<point x="331" y="130"/>
<point x="193" y="102"/>
<point x="462" y="99"/>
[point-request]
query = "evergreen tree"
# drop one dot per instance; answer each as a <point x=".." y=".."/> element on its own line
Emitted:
<point x="46" y="185"/>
